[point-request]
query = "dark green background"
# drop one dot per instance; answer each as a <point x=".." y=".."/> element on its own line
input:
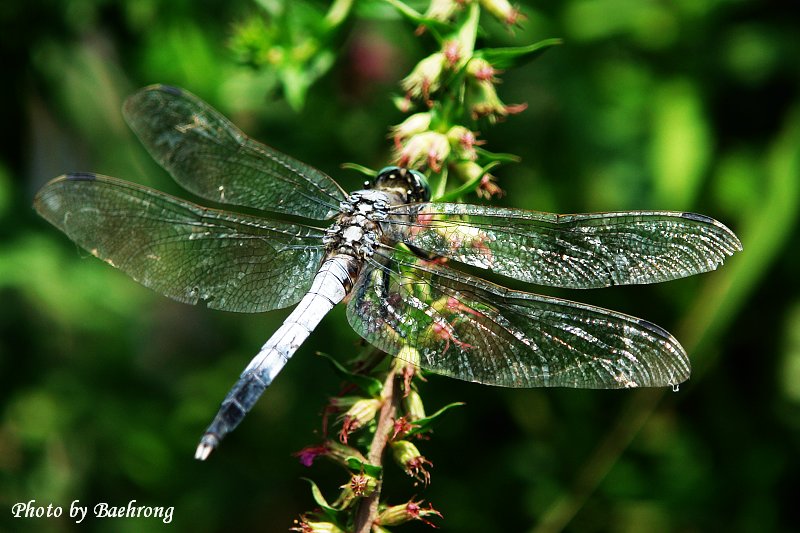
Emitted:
<point x="105" y="386"/>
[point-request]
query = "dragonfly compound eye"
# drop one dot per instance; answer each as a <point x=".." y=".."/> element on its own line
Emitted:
<point x="421" y="187"/>
<point x="410" y="182"/>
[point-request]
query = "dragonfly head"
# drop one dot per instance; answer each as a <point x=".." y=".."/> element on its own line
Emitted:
<point x="409" y="182"/>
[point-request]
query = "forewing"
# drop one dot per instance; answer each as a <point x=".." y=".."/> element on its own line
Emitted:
<point x="182" y="250"/>
<point x="209" y="156"/>
<point x="574" y="251"/>
<point x="467" y="328"/>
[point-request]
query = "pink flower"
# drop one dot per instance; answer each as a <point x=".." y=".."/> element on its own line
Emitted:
<point x="503" y="11"/>
<point x="452" y="53"/>
<point x="401" y="427"/>
<point x="483" y="102"/>
<point x="400" y="514"/>
<point x="307" y="525"/>
<point x="360" y="413"/>
<point x="482" y="70"/>
<point x="428" y="148"/>
<point x="488" y="188"/>
<point x="362" y="485"/>
<point x="463" y="142"/>
<point x="412" y="125"/>
<point x="408" y="457"/>
<point x="309" y="453"/>
<point x="426" y="77"/>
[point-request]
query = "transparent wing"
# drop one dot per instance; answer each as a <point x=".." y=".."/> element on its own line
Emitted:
<point x="467" y="328"/>
<point x="182" y="250"/>
<point x="209" y="156"/>
<point x="574" y="251"/>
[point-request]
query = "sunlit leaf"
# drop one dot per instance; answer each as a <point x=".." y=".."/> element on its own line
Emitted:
<point x="358" y="465"/>
<point x="516" y="55"/>
<point x="423" y="424"/>
<point x="331" y="512"/>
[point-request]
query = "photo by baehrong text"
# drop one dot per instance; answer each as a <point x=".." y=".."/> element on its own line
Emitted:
<point x="78" y="512"/>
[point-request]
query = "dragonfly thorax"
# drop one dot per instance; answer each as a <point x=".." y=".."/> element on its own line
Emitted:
<point x="357" y="228"/>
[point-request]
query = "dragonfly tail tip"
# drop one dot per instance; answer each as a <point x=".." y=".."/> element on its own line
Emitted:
<point x="207" y="445"/>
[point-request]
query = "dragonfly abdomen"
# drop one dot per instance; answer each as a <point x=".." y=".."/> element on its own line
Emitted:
<point x="330" y="286"/>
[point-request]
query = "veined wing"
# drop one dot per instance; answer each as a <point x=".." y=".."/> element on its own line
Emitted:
<point x="468" y="328"/>
<point x="209" y="156"/>
<point x="187" y="252"/>
<point x="574" y="251"/>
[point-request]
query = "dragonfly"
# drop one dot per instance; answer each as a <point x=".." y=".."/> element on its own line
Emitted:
<point x="394" y="256"/>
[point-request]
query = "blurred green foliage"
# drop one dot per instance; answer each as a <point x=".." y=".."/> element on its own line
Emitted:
<point x="105" y="386"/>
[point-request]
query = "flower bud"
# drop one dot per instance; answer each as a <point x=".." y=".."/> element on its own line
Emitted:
<point x="468" y="171"/>
<point x="488" y="188"/>
<point x="406" y="365"/>
<point x="400" y="514"/>
<point x="360" y="414"/>
<point x="453" y="54"/>
<point x="413" y="463"/>
<point x="426" y="77"/>
<point x="361" y="485"/>
<point x="415" y="410"/>
<point x="462" y="143"/>
<point x="338" y="403"/>
<point x="307" y="525"/>
<point x="332" y="449"/>
<point x="483" y="101"/>
<point x="429" y="147"/>
<point x="482" y="70"/>
<point x="341" y="452"/>
<point x="364" y="410"/>
<point x="413" y="125"/>
<point x="443" y="10"/>
<point x="409" y="355"/>
<point x="503" y="11"/>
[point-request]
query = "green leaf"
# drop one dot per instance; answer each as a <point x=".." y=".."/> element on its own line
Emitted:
<point x="369" y="385"/>
<point x="297" y="78"/>
<point x="338" y="13"/>
<point x="336" y="515"/>
<point x="436" y="26"/>
<point x="358" y="465"/>
<point x="423" y="424"/>
<point x="295" y="83"/>
<point x="359" y="168"/>
<point x="681" y="147"/>
<point x="468" y="31"/>
<point x="516" y="55"/>
<point x="466" y="188"/>
<point x="496" y="157"/>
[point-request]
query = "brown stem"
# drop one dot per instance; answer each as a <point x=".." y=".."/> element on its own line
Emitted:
<point x="368" y="507"/>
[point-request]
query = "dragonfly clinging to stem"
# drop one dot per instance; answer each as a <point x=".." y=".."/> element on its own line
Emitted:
<point x="377" y="248"/>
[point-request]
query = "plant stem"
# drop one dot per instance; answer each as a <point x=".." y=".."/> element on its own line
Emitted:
<point x="368" y="508"/>
<point x="338" y="12"/>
